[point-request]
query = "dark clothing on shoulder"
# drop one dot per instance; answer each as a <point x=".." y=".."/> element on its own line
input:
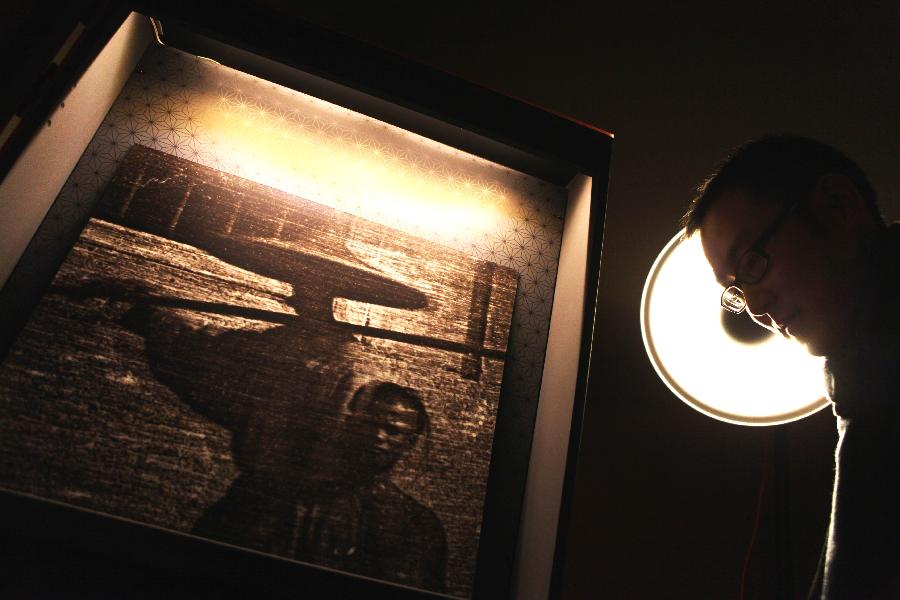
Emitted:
<point x="862" y="560"/>
<point x="372" y="528"/>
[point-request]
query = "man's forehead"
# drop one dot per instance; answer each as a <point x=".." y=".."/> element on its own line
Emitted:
<point x="729" y="227"/>
<point x="393" y="403"/>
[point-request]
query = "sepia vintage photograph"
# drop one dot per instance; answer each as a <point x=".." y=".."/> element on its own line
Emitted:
<point x="224" y="359"/>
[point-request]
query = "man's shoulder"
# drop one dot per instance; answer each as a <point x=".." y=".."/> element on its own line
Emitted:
<point x="394" y="499"/>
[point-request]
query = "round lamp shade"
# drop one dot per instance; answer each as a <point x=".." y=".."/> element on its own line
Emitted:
<point x="720" y="363"/>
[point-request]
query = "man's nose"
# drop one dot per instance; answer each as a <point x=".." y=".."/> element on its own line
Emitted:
<point x="760" y="300"/>
<point x="386" y="437"/>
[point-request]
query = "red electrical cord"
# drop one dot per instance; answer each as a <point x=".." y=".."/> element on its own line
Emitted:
<point x="763" y="479"/>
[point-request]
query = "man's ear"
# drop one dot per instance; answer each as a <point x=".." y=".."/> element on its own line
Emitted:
<point x="839" y="206"/>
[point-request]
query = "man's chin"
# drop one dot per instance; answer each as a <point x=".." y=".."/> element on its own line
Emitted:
<point x="814" y="351"/>
<point x="814" y="347"/>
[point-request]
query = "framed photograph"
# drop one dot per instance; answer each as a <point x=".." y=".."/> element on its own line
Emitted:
<point x="274" y="321"/>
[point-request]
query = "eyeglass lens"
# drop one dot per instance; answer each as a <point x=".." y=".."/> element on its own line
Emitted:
<point x="733" y="299"/>
<point x="751" y="267"/>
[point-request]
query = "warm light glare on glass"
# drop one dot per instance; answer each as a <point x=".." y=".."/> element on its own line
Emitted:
<point x="282" y="151"/>
<point x="774" y="381"/>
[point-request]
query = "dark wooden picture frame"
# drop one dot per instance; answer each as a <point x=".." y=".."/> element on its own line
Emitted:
<point x="438" y="106"/>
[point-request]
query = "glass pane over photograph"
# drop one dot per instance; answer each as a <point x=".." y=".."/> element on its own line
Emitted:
<point x="250" y="265"/>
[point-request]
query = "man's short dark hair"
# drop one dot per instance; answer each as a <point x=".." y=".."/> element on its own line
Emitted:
<point x="779" y="168"/>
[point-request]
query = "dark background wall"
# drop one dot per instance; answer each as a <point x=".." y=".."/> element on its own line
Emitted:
<point x="665" y="498"/>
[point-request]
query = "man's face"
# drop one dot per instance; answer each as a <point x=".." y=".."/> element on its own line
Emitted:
<point x="807" y="293"/>
<point x="387" y="430"/>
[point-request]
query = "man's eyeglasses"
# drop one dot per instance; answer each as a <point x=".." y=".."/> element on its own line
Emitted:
<point x="753" y="264"/>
